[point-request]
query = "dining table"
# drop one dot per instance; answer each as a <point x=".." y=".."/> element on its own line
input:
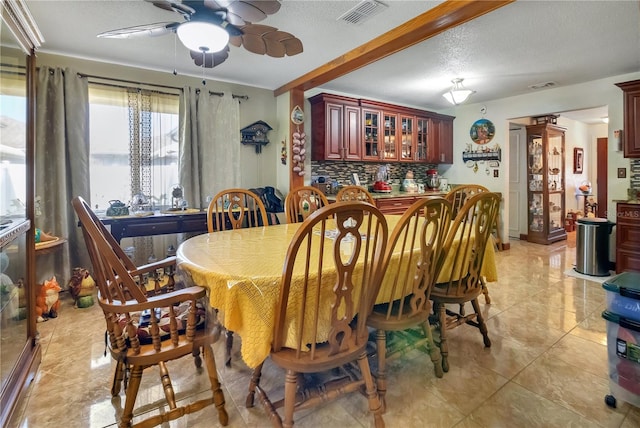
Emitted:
<point x="242" y="270"/>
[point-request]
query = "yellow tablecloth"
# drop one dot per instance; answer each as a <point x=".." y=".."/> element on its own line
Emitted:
<point x="242" y="270"/>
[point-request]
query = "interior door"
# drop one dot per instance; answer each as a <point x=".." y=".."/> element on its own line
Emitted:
<point x="517" y="182"/>
<point x="602" y="170"/>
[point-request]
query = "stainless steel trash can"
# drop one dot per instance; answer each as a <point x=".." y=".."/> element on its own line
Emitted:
<point x="592" y="246"/>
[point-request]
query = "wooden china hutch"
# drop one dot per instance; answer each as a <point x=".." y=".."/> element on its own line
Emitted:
<point x="546" y="183"/>
<point x="20" y="350"/>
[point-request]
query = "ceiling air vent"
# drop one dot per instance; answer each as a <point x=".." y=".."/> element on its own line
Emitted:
<point x="362" y="11"/>
<point x="542" y="85"/>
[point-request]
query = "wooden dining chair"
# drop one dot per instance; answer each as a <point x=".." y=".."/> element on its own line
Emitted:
<point x="461" y="193"/>
<point x="148" y="331"/>
<point x="458" y="196"/>
<point x="413" y="260"/>
<point x="302" y="202"/>
<point x="355" y="193"/>
<point x="465" y="245"/>
<point x="234" y="209"/>
<point x="331" y="273"/>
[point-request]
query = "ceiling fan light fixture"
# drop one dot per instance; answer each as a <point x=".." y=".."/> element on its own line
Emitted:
<point x="458" y="93"/>
<point x="203" y="36"/>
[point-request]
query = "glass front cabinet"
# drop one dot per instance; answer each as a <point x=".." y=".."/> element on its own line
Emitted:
<point x="19" y="350"/>
<point x="546" y="183"/>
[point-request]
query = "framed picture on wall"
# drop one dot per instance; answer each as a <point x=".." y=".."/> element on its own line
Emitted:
<point x="578" y="160"/>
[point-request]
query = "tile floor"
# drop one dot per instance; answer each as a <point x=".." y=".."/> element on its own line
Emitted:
<point x="547" y="366"/>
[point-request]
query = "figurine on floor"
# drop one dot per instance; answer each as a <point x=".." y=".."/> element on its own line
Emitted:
<point x="81" y="287"/>
<point x="47" y="300"/>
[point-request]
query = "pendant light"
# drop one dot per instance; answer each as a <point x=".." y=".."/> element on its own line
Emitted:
<point x="458" y="93"/>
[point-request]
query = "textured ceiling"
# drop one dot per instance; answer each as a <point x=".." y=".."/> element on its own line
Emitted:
<point x="499" y="54"/>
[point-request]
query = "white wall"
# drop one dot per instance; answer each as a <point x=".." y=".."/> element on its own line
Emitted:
<point x="500" y="112"/>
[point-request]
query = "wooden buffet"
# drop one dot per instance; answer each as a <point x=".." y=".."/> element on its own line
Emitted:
<point x="351" y="129"/>
<point x="628" y="237"/>
<point x="397" y="202"/>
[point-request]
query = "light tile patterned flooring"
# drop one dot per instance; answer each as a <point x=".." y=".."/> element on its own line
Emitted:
<point x="547" y="366"/>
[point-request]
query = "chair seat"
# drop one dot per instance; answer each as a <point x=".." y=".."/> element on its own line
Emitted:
<point x="440" y="294"/>
<point x="378" y="318"/>
<point x="322" y="361"/>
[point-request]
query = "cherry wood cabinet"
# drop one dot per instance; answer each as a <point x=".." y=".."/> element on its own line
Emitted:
<point x="631" y="134"/>
<point x="627" y="237"/>
<point x="336" y="129"/>
<point x="345" y="128"/>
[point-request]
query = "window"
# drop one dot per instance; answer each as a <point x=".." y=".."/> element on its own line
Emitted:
<point x="133" y="144"/>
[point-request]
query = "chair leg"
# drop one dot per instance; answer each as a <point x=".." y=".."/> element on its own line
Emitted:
<point x="118" y="376"/>
<point x="290" y="388"/>
<point x="218" y="395"/>
<point x="165" y="380"/>
<point x="131" y="393"/>
<point x="253" y="383"/>
<point x="441" y="310"/>
<point x="375" y="404"/>
<point x="434" y="351"/>
<point x="381" y="375"/>
<point x="485" y="291"/>
<point x="481" y="324"/>
<point x="196" y="357"/>
<point x="227" y="354"/>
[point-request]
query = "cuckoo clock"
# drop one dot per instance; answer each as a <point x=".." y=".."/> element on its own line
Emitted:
<point x="256" y="134"/>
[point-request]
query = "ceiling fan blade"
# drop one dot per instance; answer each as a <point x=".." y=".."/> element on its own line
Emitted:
<point x="210" y="59"/>
<point x="148" y="30"/>
<point x="171" y="6"/>
<point x="266" y="40"/>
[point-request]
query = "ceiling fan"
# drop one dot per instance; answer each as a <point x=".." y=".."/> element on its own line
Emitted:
<point x="209" y="26"/>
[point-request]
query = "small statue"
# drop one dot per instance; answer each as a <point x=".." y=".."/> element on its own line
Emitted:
<point x="81" y="287"/>
<point x="47" y="300"/>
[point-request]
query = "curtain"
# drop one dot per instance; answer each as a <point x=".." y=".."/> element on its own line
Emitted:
<point x="209" y="145"/>
<point x="62" y="165"/>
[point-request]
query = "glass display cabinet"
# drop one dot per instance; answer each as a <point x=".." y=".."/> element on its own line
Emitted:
<point x="390" y="143"/>
<point x="546" y="183"/>
<point x="372" y="149"/>
<point x="19" y="351"/>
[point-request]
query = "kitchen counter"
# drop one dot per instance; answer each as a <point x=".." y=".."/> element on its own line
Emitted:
<point x="396" y="202"/>
<point x="398" y="194"/>
<point x="622" y="201"/>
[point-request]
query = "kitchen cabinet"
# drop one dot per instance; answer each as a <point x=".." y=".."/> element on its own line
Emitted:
<point x="407" y="139"/>
<point x="390" y="137"/>
<point x="345" y="128"/>
<point x="440" y="141"/>
<point x="336" y="128"/>
<point x="631" y="134"/>
<point x="627" y="237"/>
<point x="545" y="181"/>
<point x="20" y="351"/>
<point x="372" y="147"/>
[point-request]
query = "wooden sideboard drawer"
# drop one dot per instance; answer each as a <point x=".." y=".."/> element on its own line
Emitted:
<point x="395" y="205"/>
<point x="628" y="213"/>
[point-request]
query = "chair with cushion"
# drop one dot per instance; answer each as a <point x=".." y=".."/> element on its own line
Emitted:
<point x="302" y="202"/>
<point x="146" y="331"/>
<point x="234" y="209"/>
<point x="330" y="276"/>
<point x="465" y="243"/>
<point x="355" y="193"/>
<point x="412" y="262"/>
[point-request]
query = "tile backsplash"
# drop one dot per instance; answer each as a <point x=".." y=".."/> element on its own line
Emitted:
<point x="634" y="173"/>
<point x="341" y="171"/>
